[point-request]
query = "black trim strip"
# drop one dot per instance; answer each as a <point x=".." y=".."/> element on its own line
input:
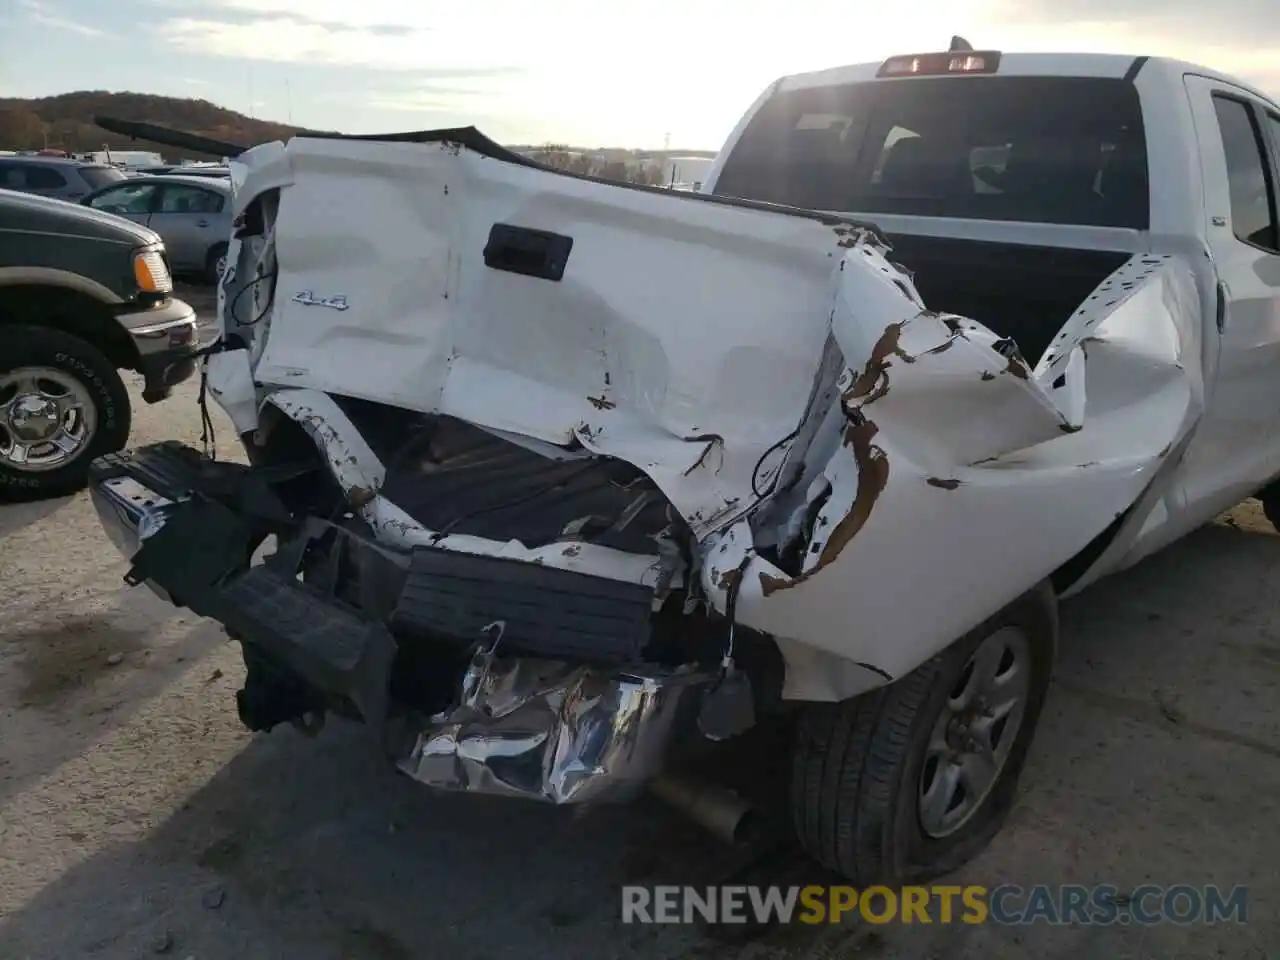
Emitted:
<point x="1135" y="68"/>
<point x="473" y="140"/>
<point x="876" y="670"/>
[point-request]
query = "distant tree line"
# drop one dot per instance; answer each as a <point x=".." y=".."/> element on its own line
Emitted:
<point x="66" y="122"/>
<point x="630" y="168"/>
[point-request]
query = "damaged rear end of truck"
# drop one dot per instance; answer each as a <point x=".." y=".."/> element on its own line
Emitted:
<point x="548" y="481"/>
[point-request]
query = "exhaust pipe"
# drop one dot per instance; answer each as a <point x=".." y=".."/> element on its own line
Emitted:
<point x="715" y="808"/>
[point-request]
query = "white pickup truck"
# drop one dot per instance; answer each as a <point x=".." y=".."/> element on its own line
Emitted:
<point x="554" y="482"/>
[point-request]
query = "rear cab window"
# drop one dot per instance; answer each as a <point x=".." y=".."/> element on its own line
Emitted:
<point x="1249" y="180"/>
<point x="1060" y="150"/>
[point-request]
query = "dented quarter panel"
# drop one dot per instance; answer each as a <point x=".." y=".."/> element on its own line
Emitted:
<point x="972" y="499"/>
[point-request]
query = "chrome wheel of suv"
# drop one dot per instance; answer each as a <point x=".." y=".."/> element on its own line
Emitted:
<point x="47" y="417"/>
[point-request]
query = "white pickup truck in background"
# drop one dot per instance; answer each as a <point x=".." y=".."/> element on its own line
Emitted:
<point x="569" y="480"/>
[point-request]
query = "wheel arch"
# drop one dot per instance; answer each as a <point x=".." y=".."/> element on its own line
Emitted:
<point x="71" y="308"/>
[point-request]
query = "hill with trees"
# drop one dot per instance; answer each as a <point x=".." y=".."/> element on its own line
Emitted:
<point x="66" y="121"/>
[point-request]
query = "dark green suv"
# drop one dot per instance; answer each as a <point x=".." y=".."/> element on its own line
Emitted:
<point x="83" y="294"/>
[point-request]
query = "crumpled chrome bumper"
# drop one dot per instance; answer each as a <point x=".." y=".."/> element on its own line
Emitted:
<point x="130" y="513"/>
<point x="553" y="731"/>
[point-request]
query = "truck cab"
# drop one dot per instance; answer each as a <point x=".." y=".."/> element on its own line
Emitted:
<point x="1011" y="185"/>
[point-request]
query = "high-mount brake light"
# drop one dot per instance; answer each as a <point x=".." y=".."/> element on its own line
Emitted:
<point x="940" y="64"/>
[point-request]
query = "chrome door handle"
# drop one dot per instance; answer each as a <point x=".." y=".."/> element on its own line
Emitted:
<point x="202" y="223"/>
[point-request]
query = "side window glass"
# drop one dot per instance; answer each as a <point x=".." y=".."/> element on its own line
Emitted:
<point x="129" y="200"/>
<point x="179" y="199"/>
<point x="1248" y="175"/>
<point x="44" y="178"/>
<point x="11" y="177"/>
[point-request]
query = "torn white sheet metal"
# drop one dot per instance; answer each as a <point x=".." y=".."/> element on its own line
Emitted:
<point x="355" y="466"/>
<point x="230" y="378"/>
<point x="961" y="479"/>
<point x="360" y="474"/>
<point x="392" y="525"/>
<point x="691" y="386"/>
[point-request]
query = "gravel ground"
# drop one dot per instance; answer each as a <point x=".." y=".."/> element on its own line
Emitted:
<point x="137" y="818"/>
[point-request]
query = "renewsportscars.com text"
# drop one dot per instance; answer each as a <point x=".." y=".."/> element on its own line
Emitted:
<point x="1007" y="904"/>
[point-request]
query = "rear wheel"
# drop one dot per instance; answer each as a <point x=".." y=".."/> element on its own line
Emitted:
<point x="62" y="404"/>
<point x="915" y="779"/>
<point x="1271" y="510"/>
<point x="1269" y="497"/>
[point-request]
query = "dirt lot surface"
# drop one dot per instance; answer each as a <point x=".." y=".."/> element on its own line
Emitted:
<point x="137" y="818"/>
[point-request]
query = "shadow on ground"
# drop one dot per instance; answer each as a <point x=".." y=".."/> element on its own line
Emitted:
<point x="19" y="516"/>
<point x="312" y="848"/>
<point x="1141" y="773"/>
<point x="76" y="676"/>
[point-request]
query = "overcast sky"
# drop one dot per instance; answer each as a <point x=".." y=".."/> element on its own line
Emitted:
<point x="590" y="73"/>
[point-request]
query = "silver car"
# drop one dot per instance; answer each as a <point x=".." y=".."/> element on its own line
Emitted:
<point x="191" y="214"/>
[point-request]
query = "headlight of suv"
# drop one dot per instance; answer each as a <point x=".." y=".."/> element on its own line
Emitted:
<point x="151" y="272"/>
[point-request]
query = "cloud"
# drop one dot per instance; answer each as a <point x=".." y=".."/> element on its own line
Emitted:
<point x="429" y="98"/>
<point x="1237" y="37"/>
<point x="291" y="39"/>
<point x="395" y="35"/>
<point x="370" y="14"/>
<point x="1251" y="23"/>
<point x="45" y="15"/>
<point x="248" y="14"/>
<point x="434" y="83"/>
<point x="583" y="65"/>
<point x="473" y="94"/>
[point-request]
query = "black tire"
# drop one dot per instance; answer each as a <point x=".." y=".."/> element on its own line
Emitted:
<point x="856" y="765"/>
<point x="211" y="273"/>
<point x="1271" y="509"/>
<point x="25" y="346"/>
